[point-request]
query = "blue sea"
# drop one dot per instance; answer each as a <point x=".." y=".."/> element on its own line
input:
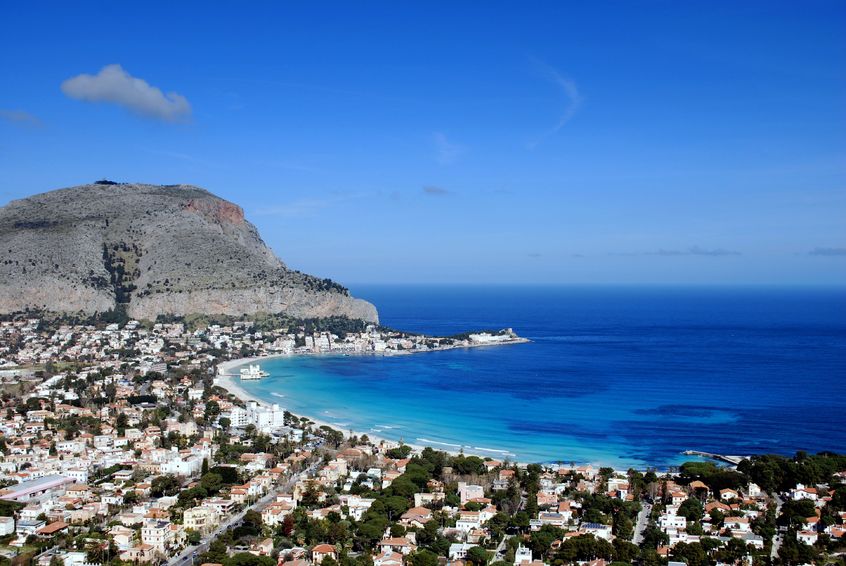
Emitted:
<point x="621" y="376"/>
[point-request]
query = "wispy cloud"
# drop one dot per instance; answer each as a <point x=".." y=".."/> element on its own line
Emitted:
<point x="435" y="191"/>
<point x="297" y="208"/>
<point x="828" y="252"/>
<point x="305" y="207"/>
<point x="691" y="251"/>
<point x="21" y="118"/>
<point x="695" y="250"/>
<point x="572" y="98"/>
<point x="115" y="86"/>
<point x="446" y="151"/>
<point x="184" y="157"/>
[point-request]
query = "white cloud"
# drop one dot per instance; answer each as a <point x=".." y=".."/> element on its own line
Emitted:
<point x="691" y="251"/>
<point x="830" y="252"/>
<point x="573" y="99"/>
<point x="113" y="84"/>
<point x="447" y="152"/>
<point x="435" y="191"/>
<point x="21" y="118"/>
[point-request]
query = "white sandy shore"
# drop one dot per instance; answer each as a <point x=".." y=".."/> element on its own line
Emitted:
<point x="231" y="382"/>
<point x="228" y="379"/>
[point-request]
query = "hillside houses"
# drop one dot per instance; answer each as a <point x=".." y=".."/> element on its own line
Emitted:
<point x="127" y="448"/>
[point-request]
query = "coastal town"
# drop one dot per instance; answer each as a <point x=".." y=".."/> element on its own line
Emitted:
<point x="122" y="444"/>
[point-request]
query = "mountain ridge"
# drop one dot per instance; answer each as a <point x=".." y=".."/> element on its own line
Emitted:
<point x="152" y="249"/>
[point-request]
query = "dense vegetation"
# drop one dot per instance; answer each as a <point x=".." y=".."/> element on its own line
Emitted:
<point x="777" y="473"/>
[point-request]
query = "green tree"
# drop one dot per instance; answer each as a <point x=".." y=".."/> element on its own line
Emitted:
<point x="691" y="509"/>
<point x="399" y="452"/>
<point x="212" y="411"/>
<point x="478" y="556"/>
<point x="692" y="554"/>
<point x="164" y="485"/>
<point x="247" y="559"/>
<point x="423" y="558"/>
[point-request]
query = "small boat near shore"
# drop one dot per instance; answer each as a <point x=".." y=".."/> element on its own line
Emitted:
<point x="252" y="372"/>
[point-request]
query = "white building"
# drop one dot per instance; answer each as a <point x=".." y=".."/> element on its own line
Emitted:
<point x="468" y="492"/>
<point x="672" y="521"/>
<point x="458" y="551"/>
<point x="202" y="519"/>
<point x="158" y="534"/>
<point x="522" y="554"/>
<point x="79" y="475"/>
<point x="265" y="418"/>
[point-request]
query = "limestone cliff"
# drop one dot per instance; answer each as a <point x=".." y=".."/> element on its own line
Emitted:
<point x="172" y="249"/>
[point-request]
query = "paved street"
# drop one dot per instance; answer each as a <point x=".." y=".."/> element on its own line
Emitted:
<point x="233" y="521"/>
<point x="778" y="535"/>
<point x="642" y="521"/>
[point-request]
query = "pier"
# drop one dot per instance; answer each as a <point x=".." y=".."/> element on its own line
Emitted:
<point x="733" y="460"/>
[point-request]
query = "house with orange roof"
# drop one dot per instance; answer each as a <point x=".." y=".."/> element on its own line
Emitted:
<point x="276" y="512"/>
<point x="388" y="558"/>
<point x="718" y="505"/>
<point x="802" y="492"/>
<point x="416" y="517"/>
<point x="321" y="551"/>
<point x="52" y="529"/>
<point x="547" y="500"/>
<point x="677" y="497"/>
<point x="697" y="485"/>
<point x="565" y="510"/>
<point x="836" y="531"/>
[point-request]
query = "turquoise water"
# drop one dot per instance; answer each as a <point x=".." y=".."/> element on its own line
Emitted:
<point x="618" y="376"/>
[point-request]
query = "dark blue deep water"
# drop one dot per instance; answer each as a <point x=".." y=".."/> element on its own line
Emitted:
<point x="613" y="375"/>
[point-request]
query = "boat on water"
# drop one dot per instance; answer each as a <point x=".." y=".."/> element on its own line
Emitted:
<point x="253" y="371"/>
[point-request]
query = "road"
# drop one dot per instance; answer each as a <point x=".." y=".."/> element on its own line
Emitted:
<point x="190" y="552"/>
<point x="642" y="521"/>
<point x="777" y="538"/>
<point x="499" y="553"/>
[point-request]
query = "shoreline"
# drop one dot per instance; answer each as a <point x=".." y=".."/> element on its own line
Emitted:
<point x="229" y="381"/>
<point x="226" y="379"/>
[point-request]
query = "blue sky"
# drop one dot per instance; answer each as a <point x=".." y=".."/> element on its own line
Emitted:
<point x="531" y="142"/>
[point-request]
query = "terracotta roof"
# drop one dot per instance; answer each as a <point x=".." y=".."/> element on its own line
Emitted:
<point x="52" y="528"/>
<point x="323" y="548"/>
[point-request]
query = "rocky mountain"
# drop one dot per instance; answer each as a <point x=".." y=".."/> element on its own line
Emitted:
<point x="172" y="249"/>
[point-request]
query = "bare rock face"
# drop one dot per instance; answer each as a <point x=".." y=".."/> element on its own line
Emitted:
<point x="173" y="249"/>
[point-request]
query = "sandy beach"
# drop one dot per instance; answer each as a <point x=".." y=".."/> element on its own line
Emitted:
<point x="228" y="378"/>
